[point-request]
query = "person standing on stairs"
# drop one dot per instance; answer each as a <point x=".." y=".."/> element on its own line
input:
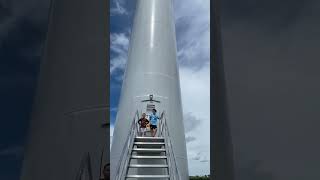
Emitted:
<point x="153" y="121"/>
<point x="143" y="121"/>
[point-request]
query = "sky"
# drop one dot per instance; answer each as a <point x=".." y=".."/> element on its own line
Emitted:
<point x="23" y="26"/>
<point x="193" y="45"/>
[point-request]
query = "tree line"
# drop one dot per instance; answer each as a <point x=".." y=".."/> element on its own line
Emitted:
<point x="205" y="177"/>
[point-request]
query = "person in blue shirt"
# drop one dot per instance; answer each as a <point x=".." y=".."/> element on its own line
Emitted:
<point x="153" y="122"/>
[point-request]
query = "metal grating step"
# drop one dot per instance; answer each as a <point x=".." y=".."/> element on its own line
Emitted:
<point x="148" y="176"/>
<point x="149" y="143"/>
<point x="149" y="139"/>
<point x="148" y="150"/>
<point x="148" y="166"/>
<point x="148" y="157"/>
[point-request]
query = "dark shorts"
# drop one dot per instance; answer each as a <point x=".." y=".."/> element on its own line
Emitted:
<point x="153" y="126"/>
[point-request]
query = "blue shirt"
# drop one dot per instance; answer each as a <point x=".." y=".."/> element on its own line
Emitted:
<point x="154" y="119"/>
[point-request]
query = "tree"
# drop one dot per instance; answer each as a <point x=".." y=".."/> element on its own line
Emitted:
<point x="205" y="177"/>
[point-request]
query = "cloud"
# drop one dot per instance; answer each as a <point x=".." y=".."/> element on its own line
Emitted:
<point x="200" y="157"/>
<point x="119" y="47"/>
<point x="193" y="32"/>
<point x="16" y="151"/>
<point x="14" y="12"/>
<point x="195" y="93"/>
<point x="193" y="44"/>
<point x="190" y="122"/>
<point x="18" y="19"/>
<point x="113" y="109"/>
<point x="119" y="40"/>
<point x="190" y="138"/>
<point x="111" y="134"/>
<point x="196" y="157"/>
<point x="118" y="9"/>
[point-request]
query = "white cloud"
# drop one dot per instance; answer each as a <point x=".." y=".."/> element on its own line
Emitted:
<point x="118" y="9"/>
<point x="111" y="134"/>
<point x="119" y="43"/>
<point x="193" y="41"/>
<point x="193" y="32"/>
<point x="113" y="109"/>
<point x="191" y="122"/>
<point x="190" y="138"/>
<point x="195" y="92"/>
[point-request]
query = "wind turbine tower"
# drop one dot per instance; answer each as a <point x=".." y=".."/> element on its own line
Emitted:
<point x="151" y="81"/>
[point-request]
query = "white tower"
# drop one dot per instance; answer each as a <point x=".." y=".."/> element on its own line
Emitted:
<point x="151" y="70"/>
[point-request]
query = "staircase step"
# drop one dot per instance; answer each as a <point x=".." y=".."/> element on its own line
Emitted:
<point x="149" y="143"/>
<point x="148" y="166"/>
<point x="149" y="139"/>
<point x="148" y="157"/>
<point x="148" y="176"/>
<point x="148" y="150"/>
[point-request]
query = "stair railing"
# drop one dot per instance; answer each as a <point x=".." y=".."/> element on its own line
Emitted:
<point x="164" y="132"/>
<point x="123" y="163"/>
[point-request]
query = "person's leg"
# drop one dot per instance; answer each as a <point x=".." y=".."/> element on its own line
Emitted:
<point x="155" y="132"/>
<point x="144" y="131"/>
<point x="152" y="130"/>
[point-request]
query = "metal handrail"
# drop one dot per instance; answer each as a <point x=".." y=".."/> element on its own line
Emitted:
<point x="164" y="132"/>
<point x="123" y="162"/>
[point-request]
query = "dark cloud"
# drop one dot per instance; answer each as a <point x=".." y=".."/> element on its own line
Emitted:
<point x="192" y="33"/>
<point x="21" y="36"/>
<point x="4" y="11"/>
<point x="271" y="55"/>
<point x="190" y="122"/>
<point x="23" y="25"/>
<point x="183" y="23"/>
<point x="16" y="12"/>
<point x="190" y="139"/>
<point x="200" y="157"/>
<point x="197" y="157"/>
<point x="21" y="44"/>
<point x="10" y="162"/>
<point x="16" y="151"/>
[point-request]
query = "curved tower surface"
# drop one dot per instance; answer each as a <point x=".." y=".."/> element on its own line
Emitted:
<point x="66" y="138"/>
<point x="151" y="70"/>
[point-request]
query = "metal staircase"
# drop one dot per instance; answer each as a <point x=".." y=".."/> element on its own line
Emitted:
<point x="148" y="157"/>
<point x="151" y="151"/>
